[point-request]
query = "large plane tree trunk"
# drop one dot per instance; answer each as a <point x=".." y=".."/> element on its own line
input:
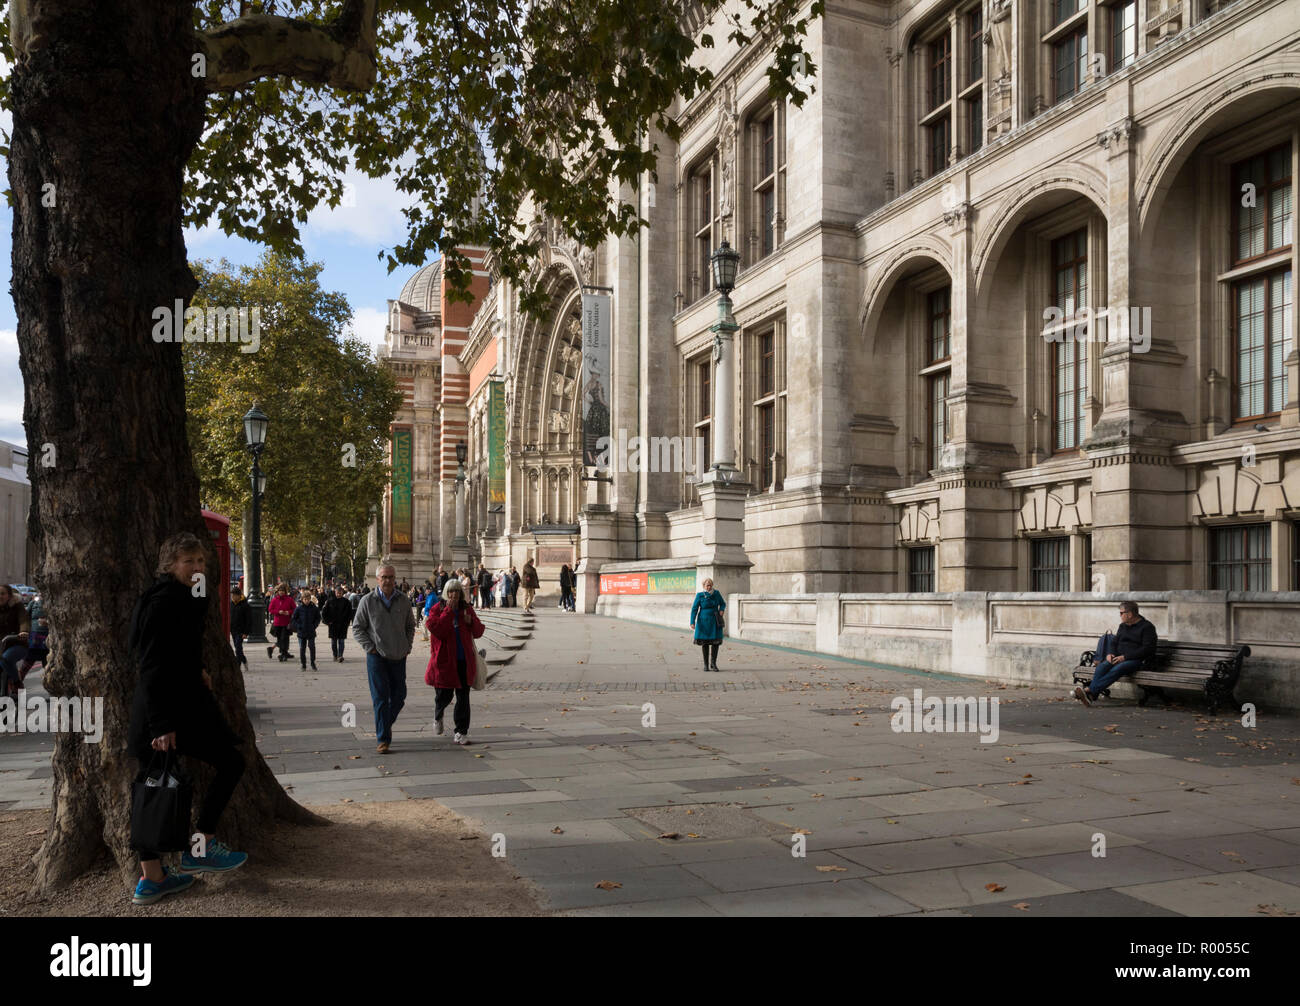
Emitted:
<point x="106" y="113"/>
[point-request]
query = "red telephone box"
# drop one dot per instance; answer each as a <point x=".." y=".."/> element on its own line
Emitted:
<point x="219" y="531"/>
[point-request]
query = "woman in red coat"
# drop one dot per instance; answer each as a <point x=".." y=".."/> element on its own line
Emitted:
<point x="453" y="627"/>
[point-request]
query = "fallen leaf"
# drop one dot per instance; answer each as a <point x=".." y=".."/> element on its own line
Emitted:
<point x="669" y="834"/>
<point x="995" y="887"/>
<point x="690" y="812"/>
<point x="1027" y="775"/>
<point x="1007" y="758"/>
<point x="802" y="831"/>
<point x="1272" y="910"/>
<point x="1110" y="728"/>
<point x="855" y="778"/>
<point x="353" y="757"/>
<point x="1022" y="905"/>
<point x="607" y="885"/>
<point x="831" y="869"/>
<point x="557" y="830"/>
<point x="38" y="831"/>
<point x="346" y="800"/>
<point x="818" y="794"/>
<point x="691" y="834"/>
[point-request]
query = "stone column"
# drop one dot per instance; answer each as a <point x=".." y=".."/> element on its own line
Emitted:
<point x="1135" y="530"/>
<point x="722" y="491"/>
<point x="976" y="550"/>
<point x="460" y="544"/>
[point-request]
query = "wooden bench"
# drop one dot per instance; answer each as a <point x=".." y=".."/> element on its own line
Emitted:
<point x="1202" y="667"/>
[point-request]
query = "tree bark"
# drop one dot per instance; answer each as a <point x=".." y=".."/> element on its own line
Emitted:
<point x="107" y="111"/>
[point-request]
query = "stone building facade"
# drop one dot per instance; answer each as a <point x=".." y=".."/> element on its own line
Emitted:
<point x="1015" y="312"/>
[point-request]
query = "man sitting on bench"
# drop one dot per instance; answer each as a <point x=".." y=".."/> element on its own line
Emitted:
<point x="1120" y="652"/>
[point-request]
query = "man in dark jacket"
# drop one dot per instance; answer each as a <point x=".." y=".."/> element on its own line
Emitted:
<point x="337" y="616"/>
<point x="174" y="709"/>
<point x="1119" y="653"/>
<point x="484" y="586"/>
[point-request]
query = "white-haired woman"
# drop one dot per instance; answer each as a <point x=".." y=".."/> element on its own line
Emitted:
<point x="453" y="626"/>
<point x="707" y="621"/>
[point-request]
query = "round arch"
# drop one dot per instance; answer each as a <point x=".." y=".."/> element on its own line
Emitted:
<point x="1258" y="85"/>
<point x="901" y="262"/>
<point x="1023" y="202"/>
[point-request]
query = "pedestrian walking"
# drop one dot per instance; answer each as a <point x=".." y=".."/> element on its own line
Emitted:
<point x="241" y="624"/>
<point x="336" y="613"/>
<point x="708" y="622"/>
<point x="386" y="631"/>
<point x="499" y="584"/>
<point x="281" y="611"/>
<point x="304" y="621"/>
<point x="514" y="586"/>
<point x="453" y="626"/>
<point x="174" y="710"/>
<point x="531" y="583"/>
<point x="567" y="584"/>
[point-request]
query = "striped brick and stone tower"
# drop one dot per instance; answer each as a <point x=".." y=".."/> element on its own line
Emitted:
<point x="453" y="406"/>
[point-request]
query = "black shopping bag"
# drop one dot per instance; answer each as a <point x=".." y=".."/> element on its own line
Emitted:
<point x="160" y="806"/>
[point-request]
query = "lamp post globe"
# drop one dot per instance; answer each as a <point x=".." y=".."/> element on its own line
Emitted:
<point x="725" y="262"/>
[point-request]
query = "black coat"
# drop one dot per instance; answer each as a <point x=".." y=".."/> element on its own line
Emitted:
<point x="1136" y="641"/>
<point x="241" y="618"/>
<point x="304" y="621"/>
<point x="166" y="637"/>
<point x="337" y="615"/>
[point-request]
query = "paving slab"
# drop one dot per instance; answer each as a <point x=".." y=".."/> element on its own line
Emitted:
<point x="776" y="869"/>
<point x="922" y="854"/>
<point x="1227" y="894"/>
<point x="846" y="898"/>
<point x="1122" y="866"/>
<point x="1231" y="853"/>
<point x="1101" y="904"/>
<point x="954" y="887"/>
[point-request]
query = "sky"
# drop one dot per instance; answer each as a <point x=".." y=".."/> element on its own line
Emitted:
<point x="347" y="240"/>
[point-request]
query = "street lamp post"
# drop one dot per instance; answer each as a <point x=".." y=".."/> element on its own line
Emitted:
<point x="460" y="544"/>
<point x="725" y="261"/>
<point x="255" y="423"/>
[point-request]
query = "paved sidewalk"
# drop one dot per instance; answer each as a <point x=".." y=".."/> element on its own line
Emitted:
<point x="1200" y="816"/>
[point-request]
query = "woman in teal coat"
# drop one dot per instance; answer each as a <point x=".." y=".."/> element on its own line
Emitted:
<point x="706" y="620"/>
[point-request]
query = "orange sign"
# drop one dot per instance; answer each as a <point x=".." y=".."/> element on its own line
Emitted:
<point x="623" y="583"/>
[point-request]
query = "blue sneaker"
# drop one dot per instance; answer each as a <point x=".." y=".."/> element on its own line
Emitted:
<point x="147" y="892"/>
<point x="218" y="860"/>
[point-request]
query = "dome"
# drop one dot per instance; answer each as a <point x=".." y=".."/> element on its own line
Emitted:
<point x="423" y="291"/>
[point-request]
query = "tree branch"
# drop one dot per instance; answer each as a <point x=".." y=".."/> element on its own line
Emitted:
<point x="342" y="54"/>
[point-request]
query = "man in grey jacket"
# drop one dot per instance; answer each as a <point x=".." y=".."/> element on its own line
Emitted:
<point x="386" y="631"/>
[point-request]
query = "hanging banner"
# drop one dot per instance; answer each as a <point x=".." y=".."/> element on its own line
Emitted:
<point x="595" y="374"/>
<point x="400" y="517"/>
<point x="496" y="442"/>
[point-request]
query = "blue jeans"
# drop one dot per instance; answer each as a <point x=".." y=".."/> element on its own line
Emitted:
<point x="1106" y="673"/>
<point x="336" y="645"/>
<point x="387" y="692"/>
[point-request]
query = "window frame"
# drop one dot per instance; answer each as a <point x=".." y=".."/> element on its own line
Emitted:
<point x="915" y="552"/>
<point x="765" y="341"/>
<point x="1038" y="569"/>
<point x="1079" y="264"/>
<point x="1257" y="530"/>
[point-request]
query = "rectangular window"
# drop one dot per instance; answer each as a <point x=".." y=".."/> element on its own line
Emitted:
<point x="940" y="431"/>
<point x="975" y="123"/>
<point x="1065" y="9"/>
<point x="939" y="137"/>
<point x="1263" y="342"/>
<point x="940" y="303"/>
<point x="920" y="570"/>
<point x="766" y="443"/>
<point x="1087" y="563"/>
<point x="767" y="363"/>
<point x="1123" y="34"/>
<point x="940" y="70"/>
<point x="1264" y="223"/>
<point x="705" y="403"/>
<point x="705" y="211"/>
<point x="1240" y="557"/>
<point x="1070" y="355"/>
<point x="975" y="45"/>
<point x="1050" y="564"/>
<point x="1070" y="64"/>
<point x="765" y="167"/>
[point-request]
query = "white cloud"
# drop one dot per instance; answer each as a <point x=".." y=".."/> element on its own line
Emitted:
<point x="11" y="390"/>
<point x="368" y="324"/>
<point x="371" y="211"/>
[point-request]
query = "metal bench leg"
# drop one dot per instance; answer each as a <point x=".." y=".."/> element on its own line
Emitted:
<point x="1145" y="696"/>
